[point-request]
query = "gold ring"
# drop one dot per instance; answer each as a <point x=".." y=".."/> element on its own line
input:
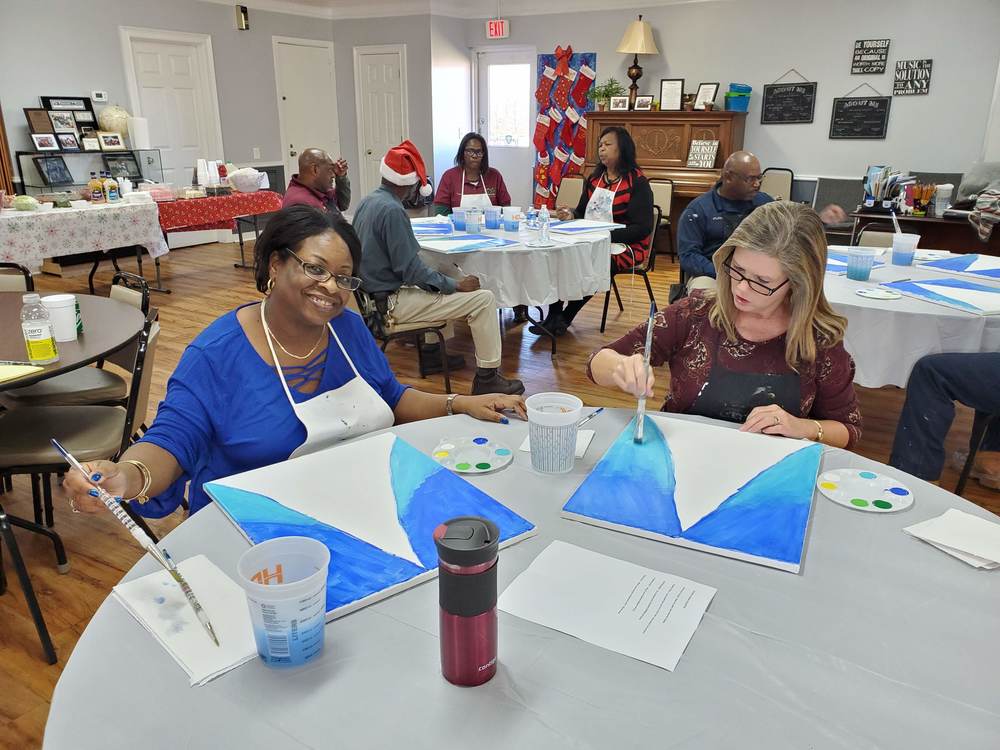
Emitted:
<point x="72" y="505"/>
<point x="777" y="420"/>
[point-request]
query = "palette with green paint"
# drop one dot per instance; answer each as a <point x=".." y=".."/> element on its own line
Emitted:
<point x="472" y="455"/>
<point x="865" y="490"/>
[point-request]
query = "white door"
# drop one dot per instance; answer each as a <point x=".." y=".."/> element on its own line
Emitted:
<point x="307" y="98"/>
<point x="506" y="117"/>
<point x="380" y="93"/>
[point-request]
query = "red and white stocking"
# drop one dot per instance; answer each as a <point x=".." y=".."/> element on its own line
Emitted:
<point x="545" y="86"/>
<point x="575" y="164"/>
<point x="559" y="166"/>
<point x="542" y="170"/>
<point x="585" y="77"/>
<point x="566" y="136"/>
<point x="563" y="85"/>
<point x="542" y="195"/>
<point x="580" y="137"/>
<point x="555" y="120"/>
<point x="542" y="124"/>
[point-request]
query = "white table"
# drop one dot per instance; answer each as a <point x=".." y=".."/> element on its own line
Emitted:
<point x="881" y="642"/>
<point x="28" y="237"/>
<point x="887" y="337"/>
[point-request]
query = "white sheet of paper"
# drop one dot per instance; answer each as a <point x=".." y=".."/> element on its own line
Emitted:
<point x="159" y="605"/>
<point x="973" y="560"/>
<point x="961" y="531"/>
<point x="583" y="438"/>
<point x="617" y="605"/>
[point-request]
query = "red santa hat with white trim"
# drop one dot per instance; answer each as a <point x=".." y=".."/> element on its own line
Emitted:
<point x="403" y="165"/>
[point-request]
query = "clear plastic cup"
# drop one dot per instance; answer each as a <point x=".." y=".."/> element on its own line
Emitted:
<point x="511" y="218"/>
<point x="285" y="583"/>
<point x="903" y="248"/>
<point x="492" y="217"/>
<point x="473" y="220"/>
<point x="552" y="420"/>
<point x="458" y="219"/>
<point x="860" y="261"/>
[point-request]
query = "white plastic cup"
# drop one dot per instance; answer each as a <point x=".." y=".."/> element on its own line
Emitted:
<point x="903" y="247"/>
<point x="285" y="583"/>
<point x="458" y="219"/>
<point x="62" y="313"/>
<point x="511" y="218"/>
<point x="492" y="217"/>
<point x="473" y="220"/>
<point x="860" y="261"/>
<point x="552" y="420"/>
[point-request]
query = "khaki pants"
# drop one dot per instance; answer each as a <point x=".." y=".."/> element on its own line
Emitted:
<point x="478" y="308"/>
<point x="701" y="282"/>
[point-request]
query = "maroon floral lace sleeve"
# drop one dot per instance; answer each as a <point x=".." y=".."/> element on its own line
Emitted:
<point x="836" y="398"/>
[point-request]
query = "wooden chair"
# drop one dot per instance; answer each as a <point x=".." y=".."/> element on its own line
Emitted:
<point x="777" y="182"/>
<point x="980" y="423"/>
<point x="663" y="195"/>
<point x="15" y="278"/>
<point x="640" y="270"/>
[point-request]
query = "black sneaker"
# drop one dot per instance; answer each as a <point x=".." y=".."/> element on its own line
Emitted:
<point x="556" y="326"/>
<point x="496" y="383"/>
<point x="432" y="360"/>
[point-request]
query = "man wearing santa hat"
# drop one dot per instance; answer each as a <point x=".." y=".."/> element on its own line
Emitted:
<point x="403" y="285"/>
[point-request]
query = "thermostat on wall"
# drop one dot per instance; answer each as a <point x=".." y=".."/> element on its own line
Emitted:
<point x="99" y="96"/>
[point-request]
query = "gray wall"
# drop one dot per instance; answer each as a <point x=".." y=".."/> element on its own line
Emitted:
<point x="756" y="41"/>
<point x="451" y="89"/>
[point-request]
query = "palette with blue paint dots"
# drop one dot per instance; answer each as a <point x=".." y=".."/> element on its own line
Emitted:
<point x="865" y="490"/>
<point x="472" y="455"/>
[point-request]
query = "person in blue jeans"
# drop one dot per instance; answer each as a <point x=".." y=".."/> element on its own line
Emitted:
<point x="937" y="381"/>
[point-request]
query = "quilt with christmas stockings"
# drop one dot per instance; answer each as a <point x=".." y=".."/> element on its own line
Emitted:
<point x="560" y="139"/>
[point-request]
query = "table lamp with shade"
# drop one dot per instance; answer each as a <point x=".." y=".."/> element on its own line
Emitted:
<point x="637" y="40"/>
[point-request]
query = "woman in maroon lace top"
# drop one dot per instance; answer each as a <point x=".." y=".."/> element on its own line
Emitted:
<point x="766" y="350"/>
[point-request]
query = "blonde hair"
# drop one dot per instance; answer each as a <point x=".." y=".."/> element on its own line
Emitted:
<point x="791" y="233"/>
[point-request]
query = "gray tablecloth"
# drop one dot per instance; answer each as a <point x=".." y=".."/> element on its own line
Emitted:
<point x="881" y="642"/>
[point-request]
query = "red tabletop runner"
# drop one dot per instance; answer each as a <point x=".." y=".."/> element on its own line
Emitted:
<point x="215" y="212"/>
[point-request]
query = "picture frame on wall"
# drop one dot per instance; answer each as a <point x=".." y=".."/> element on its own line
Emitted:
<point x="62" y="122"/>
<point x="68" y="141"/>
<point x="643" y="103"/>
<point x="45" y="141"/>
<point x="619" y="104"/>
<point x="38" y="120"/>
<point x="53" y="170"/>
<point x="66" y="102"/>
<point x="90" y="143"/>
<point x="706" y="94"/>
<point x="84" y="116"/>
<point x="671" y="94"/>
<point x="111" y="141"/>
<point x="123" y="164"/>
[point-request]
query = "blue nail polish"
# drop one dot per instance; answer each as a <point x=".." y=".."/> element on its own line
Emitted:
<point x="504" y="420"/>
<point x="118" y="498"/>
<point x="93" y="493"/>
<point x="96" y="477"/>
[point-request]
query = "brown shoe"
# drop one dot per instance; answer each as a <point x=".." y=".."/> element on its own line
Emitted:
<point x="491" y="381"/>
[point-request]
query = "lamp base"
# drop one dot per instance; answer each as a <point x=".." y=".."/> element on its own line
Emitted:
<point x="634" y="73"/>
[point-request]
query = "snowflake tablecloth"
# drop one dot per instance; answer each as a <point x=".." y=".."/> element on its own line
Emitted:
<point x="216" y="212"/>
<point x="28" y="237"/>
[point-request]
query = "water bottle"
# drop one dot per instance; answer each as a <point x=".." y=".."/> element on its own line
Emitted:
<point x="39" y="339"/>
<point x="543" y="225"/>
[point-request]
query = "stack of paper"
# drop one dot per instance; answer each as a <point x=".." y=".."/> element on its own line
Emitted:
<point x="577" y="226"/>
<point x="431" y="226"/>
<point x="160" y="606"/>
<point x="971" y="539"/>
<point x="636" y="611"/>
<point x="10" y="372"/>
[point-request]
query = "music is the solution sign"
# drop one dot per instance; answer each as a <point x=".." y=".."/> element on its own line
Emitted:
<point x="912" y="77"/>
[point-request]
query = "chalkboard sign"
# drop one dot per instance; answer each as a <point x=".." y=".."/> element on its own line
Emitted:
<point x="788" y="103"/>
<point x="870" y="56"/>
<point x="860" y="117"/>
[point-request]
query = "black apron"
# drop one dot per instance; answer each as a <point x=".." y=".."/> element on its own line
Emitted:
<point x="732" y="395"/>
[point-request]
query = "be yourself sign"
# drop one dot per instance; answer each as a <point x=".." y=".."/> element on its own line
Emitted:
<point x="870" y="56"/>
<point x="912" y="77"/>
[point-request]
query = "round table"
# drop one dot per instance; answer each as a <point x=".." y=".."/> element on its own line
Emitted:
<point x="881" y="641"/>
<point x="108" y="325"/>
<point x="887" y="337"/>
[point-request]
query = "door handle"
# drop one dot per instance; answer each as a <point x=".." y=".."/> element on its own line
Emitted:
<point x="368" y="152"/>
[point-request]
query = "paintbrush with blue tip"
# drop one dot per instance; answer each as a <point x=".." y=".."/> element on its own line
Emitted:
<point x="640" y="412"/>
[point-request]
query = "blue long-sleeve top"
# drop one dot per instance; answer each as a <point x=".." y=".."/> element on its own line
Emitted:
<point x="225" y="411"/>
<point x="703" y="228"/>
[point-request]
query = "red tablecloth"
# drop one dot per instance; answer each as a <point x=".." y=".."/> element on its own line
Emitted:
<point x="216" y="212"/>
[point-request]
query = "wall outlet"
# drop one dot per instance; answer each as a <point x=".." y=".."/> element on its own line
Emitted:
<point x="256" y="153"/>
<point x="101" y="97"/>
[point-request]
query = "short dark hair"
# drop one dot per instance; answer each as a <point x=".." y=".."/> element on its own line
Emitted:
<point x="484" y="166"/>
<point x="627" y="163"/>
<point x="292" y="226"/>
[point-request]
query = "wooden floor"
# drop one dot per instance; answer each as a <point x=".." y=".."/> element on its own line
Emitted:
<point x="205" y="285"/>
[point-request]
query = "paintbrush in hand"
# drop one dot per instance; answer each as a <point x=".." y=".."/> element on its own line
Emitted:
<point x="640" y="412"/>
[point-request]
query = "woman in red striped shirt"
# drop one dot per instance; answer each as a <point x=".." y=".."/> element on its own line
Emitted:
<point x="616" y="191"/>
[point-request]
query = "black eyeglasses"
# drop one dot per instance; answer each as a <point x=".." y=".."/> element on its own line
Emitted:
<point x="755" y="285"/>
<point x="750" y="179"/>
<point x="316" y="272"/>
<point x="473" y="152"/>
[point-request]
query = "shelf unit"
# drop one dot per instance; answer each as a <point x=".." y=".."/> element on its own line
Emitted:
<point x="80" y="164"/>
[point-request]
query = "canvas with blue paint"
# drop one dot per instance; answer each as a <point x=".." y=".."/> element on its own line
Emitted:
<point x="983" y="267"/>
<point x="373" y="502"/>
<point x="706" y="487"/>
<point x="959" y="294"/>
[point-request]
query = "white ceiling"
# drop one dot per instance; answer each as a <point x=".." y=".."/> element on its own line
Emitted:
<point x="334" y="9"/>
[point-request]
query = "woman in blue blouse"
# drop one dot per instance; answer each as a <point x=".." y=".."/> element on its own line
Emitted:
<point x="229" y="409"/>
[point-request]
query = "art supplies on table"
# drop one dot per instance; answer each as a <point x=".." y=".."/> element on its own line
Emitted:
<point x="640" y="412"/>
<point x="378" y="523"/>
<point x="579" y="226"/>
<point x="431" y="226"/>
<point x="875" y="292"/>
<point x="472" y="455"/>
<point x="715" y="489"/>
<point x="972" y="265"/>
<point x="626" y="608"/>
<point x="971" y="539"/>
<point x="860" y="489"/>
<point x="921" y="255"/>
<point x="157" y="602"/>
<point x="583" y="441"/>
<point x="466" y="244"/>
<point x="958" y="294"/>
<point x="836" y="263"/>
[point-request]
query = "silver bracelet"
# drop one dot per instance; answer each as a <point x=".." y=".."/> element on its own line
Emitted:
<point x="449" y="404"/>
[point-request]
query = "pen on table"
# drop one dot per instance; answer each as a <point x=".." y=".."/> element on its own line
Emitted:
<point x="590" y="416"/>
<point x="160" y="555"/>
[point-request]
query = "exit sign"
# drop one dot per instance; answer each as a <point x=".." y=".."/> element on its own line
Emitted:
<point x="497" y="28"/>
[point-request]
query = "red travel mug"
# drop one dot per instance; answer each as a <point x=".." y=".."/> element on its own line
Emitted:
<point x="467" y="579"/>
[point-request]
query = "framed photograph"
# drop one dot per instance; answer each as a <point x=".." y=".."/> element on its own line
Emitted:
<point x="671" y="94"/>
<point x="90" y="143"/>
<point x="706" y="94"/>
<point x="66" y="102"/>
<point x="45" y="141"/>
<point x="111" y="141"/>
<point x="87" y="130"/>
<point x="619" y="104"/>
<point x="643" y="103"/>
<point x="53" y="170"/>
<point x="68" y="141"/>
<point x="62" y="122"/>
<point x="123" y="165"/>
<point x="84" y="116"/>
<point x="38" y="121"/>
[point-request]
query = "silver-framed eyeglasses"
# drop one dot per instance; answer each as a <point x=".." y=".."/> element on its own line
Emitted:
<point x="757" y="286"/>
<point x="318" y="273"/>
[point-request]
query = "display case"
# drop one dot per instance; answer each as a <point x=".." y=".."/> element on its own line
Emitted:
<point x="43" y="172"/>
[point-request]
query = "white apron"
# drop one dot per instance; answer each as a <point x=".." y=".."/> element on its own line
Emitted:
<point x="600" y="208"/>
<point x="353" y="409"/>
<point x="479" y="200"/>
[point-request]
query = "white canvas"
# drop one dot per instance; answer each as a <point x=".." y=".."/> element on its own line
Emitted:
<point x="988" y="302"/>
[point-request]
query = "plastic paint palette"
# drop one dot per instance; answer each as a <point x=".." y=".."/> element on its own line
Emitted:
<point x="878" y="293"/>
<point x="472" y="455"/>
<point x="864" y="490"/>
